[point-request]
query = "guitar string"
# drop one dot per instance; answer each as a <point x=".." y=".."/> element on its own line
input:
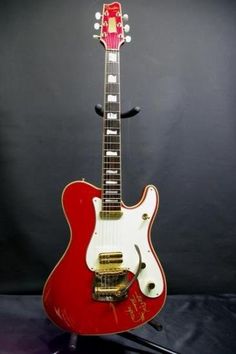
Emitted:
<point x="111" y="68"/>
<point x="112" y="89"/>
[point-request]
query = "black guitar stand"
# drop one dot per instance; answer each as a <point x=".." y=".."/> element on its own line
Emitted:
<point x="110" y="347"/>
<point x="84" y="344"/>
<point x="131" y="113"/>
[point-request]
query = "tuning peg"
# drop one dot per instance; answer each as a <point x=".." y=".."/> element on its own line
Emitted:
<point x="125" y="17"/>
<point x="98" y="15"/>
<point x="97" y="26"/>
<point x="128" y="39"/>
<point x="126" y="28"/>
<point x="95" y="36"/>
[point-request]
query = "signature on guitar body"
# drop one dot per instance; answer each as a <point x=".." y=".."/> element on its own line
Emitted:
<point x="109" y="279"/>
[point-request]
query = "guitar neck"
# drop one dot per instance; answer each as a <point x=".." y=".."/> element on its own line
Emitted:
<point x="111" y="169"/>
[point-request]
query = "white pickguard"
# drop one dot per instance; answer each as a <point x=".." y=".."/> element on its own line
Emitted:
<point x="121" y="235"/>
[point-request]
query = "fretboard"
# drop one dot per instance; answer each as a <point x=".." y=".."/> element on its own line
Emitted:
<point x="111" y="169"/>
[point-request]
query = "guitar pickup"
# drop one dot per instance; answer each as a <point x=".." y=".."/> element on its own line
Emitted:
<point x="111" y="258"/>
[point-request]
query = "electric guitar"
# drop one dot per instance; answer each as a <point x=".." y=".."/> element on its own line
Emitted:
<point x="109" y="279"/>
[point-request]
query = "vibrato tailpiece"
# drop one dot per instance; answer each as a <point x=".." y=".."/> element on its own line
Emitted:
<point x="111" y="281"/>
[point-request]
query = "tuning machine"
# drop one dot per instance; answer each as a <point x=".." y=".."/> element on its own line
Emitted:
<point x="125" y="17"/>
<point x="128" y="39"/>
<point x="126" y="28"/>
<point x="97" y="26"/>
<point x="98" y="15"/>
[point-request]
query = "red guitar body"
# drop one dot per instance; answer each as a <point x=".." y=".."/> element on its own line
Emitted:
<point x="67" y="294"/>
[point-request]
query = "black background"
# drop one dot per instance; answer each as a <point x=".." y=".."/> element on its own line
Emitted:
<point x="180" y="68"/>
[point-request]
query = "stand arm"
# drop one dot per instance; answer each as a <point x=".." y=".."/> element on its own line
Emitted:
<point x="131" y="113"/>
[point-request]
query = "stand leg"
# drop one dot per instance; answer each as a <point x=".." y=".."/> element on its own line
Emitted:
<point x="73" y="342"/>
<point x="130" y="336"/>
<point x="146" y="343"/>
<point x="157" y="326"/>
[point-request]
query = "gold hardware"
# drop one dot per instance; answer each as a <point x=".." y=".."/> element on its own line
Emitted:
<point x="112" y="284"/>
<point x="110" y="254"/>
<point x="111" y="215"/>
<point x="145" y="216"/>
<point x="110" y="258"/>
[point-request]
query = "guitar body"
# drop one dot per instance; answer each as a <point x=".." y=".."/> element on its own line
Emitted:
<point x="68" y="295"/>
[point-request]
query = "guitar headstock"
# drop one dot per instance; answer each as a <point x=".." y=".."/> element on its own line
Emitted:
<point x="111" y="26"/>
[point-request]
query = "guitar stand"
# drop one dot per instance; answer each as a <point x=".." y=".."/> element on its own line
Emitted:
<point x="73" y="340"/>
<point x="131" y="113"/>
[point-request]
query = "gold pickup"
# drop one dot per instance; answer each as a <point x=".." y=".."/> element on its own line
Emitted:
<point x="111" y="214"/>
<point x="110" y="257"/>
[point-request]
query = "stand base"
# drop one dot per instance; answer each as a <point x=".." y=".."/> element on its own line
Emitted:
<point x="112" y="347"/>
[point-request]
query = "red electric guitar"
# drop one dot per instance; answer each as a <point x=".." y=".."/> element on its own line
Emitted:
<point x="109" y="279"/>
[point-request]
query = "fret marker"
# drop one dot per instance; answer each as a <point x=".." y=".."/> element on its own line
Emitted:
<point x="111" y="172"/>
<point x="111" y="79"/>
<point x="112" y="57"/>
<point x="111" y="115"/>
<point x="111" y="191"/>
<point x="111" y="98"/>
<point x="111" y="153"/>
<point x="111" y="132"/>
<point x="111" y="182"/>
<point x="111" y="201"/>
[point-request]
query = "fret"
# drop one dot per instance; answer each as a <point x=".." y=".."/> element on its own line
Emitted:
<point x="112" y="87"/>
<point x="113" y="186"/>
<point x="110" y="196"/>
<point x="110" y="164"/>
<point x="111" y="149"/>
<point x="112" y="106"/>
<point x="112" y="123"/>
<point x="111" y="138"/>
<point x="109" y="145"/>
<point x="107" y="175"/>
<point x="112" y="69"/>
<point x="111" y="208"/>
